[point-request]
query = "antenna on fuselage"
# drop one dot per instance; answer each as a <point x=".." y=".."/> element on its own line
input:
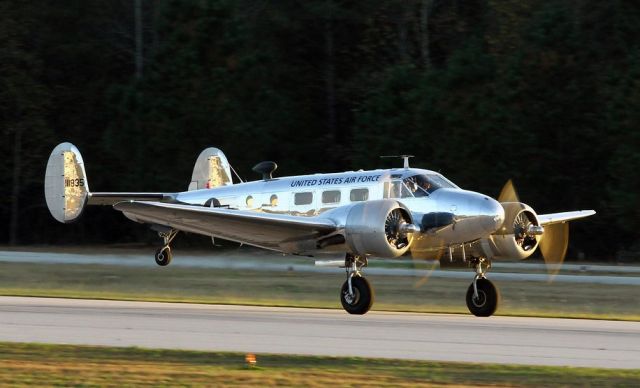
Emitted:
<point x="234" y="171"/>
<point x="404" y="157"/>
<point x="266" y="168"/>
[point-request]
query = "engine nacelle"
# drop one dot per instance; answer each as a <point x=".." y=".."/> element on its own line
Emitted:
<point x="519" y="235"/>
<point x="379" y="228"/>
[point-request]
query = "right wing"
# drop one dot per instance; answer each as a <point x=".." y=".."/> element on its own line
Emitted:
<point x="555" y="218"/>
<point x="266" y="230"/>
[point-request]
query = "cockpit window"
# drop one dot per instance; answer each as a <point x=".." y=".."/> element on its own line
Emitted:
<point x="422" y="185"/>
<point x="396" y="189"/>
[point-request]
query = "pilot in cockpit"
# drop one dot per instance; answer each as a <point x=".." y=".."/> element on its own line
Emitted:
<point x="418" y="185"/>
<point x="411" y="185"/>
<point x="425" y="185"/>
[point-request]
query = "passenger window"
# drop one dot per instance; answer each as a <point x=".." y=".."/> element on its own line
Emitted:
<point x="332" y="196"/>
<point x="303" y="198"/>
<point x="359" y="195"/>
<point x="249" y="201"/>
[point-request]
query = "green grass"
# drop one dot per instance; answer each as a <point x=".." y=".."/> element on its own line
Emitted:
<point x="86" y="366"/>
<point x="289" y="288"/>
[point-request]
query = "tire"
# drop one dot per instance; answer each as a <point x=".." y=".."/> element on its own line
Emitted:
<point x="488" y="299"/>
<point x="163" y="256"/>
<point x="363" y="296"/>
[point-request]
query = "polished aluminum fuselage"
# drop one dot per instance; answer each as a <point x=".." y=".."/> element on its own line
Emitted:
<point x="473" y="215"/>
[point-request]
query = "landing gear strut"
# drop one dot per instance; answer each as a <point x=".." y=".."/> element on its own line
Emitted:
<point x="163" y="255"/>
<point x="356" y="294"/>
<point x="482" y="295"/>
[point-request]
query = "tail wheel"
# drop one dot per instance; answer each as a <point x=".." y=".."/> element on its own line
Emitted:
<point x="487" y="301"/>
<point x="362" y="298"/>
<point x="163" y="256"/>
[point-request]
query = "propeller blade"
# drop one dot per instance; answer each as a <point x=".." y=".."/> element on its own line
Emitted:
<point x="553" y="246"/>
<point x="508" y="193"/>
<point x="424" y="259"/>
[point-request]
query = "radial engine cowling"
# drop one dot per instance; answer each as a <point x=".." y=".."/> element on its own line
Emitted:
<point x="520" y="232"/>
<point x="379" y="228"/>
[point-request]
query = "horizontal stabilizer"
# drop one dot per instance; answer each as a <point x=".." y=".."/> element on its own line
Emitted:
<point x="110" y="199"/>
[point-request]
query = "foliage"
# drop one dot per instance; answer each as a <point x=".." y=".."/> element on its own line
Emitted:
<point x="544" y="93"/>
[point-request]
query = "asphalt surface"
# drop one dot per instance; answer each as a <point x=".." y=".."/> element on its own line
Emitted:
<point x="513" y="340"/>
<point x="623" y="275"/>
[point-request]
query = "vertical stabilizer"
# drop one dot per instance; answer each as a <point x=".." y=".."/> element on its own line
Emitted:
<point x="65" y="183"/>
<point x="211" y="170"/>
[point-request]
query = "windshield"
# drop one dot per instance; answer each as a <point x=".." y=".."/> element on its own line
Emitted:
<point x="418" y="185"/>
<point x="422" y="185"/>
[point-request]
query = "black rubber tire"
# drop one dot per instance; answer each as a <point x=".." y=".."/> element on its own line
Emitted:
<point x="488" y="296"/>
<point x="163" y="256"/>
<point x="363" y="298"/>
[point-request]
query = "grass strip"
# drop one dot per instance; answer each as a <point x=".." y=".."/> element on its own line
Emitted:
<point x="88" y="366"/>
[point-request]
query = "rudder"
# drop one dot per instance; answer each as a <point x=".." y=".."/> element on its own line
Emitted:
<point x="65" y="184"/>
<point x="212" y="169"/>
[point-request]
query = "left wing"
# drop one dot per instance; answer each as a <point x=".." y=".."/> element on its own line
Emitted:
<point x="555" y="218"/>
<point x="271" y="231"/>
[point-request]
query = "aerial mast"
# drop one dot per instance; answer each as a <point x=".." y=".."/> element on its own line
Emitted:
<point x="405" y="159"/>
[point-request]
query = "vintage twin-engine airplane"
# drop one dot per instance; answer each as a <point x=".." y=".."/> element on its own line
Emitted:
<point x="379" y="213"/>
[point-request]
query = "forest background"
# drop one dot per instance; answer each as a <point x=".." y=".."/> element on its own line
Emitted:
<point x="544" y="92"/>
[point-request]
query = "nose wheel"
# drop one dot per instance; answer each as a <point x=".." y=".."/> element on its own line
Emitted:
<point x="482" y="295"/>
<point x="356" y="294"/>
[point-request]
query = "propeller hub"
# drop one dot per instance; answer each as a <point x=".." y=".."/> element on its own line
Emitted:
<point x="409" y="228"/>
<point x="535" y="230"/>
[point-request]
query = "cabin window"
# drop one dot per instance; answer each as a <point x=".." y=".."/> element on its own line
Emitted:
<point x="273" y="200"/>
<point x="332" y="196"/>
<point x="249" y="201"/>
<point x="303" y="198"/>
<point x="359" y="195"/>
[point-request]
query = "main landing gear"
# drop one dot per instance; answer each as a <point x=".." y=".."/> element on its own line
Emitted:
<point x="356" y="294"/>
<point x="163" y="254"/>
<point x="482" y="295"/>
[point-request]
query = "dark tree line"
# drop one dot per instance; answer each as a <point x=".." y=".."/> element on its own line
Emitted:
<point x="546" y="93"/>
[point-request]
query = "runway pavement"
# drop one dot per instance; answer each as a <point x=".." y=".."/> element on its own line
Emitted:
<point x="535" y="341"/>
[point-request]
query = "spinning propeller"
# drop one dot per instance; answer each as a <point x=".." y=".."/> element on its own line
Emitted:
<point x="553" y="241"/>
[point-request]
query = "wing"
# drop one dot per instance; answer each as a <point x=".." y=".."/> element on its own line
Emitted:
<point x="271" y="231"/>
<point x="555" y="218"/>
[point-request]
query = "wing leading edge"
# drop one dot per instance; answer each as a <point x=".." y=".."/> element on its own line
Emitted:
<point x="555" y="218"/>
<point x="266" y="230"/>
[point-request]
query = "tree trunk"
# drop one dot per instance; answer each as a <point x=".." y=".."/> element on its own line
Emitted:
<point x="330" y="79"/>
<point x="15" y="188"/>
<point x="425" y="10"/>
<point x="403" y="32"/>
<point x="138" y="37"/>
